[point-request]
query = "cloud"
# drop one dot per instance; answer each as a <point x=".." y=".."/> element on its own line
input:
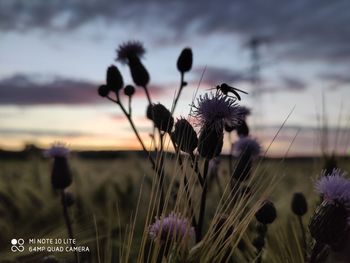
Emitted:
<point x="336" y="78"/>
<point x="36" y="132"/>
<point x="301" y="30"/>
<point x="21" y="89"/>
<point x="293" y="84"/>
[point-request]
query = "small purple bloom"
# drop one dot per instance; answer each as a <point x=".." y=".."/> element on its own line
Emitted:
<point x="334" y="187"/>
<point x="130" y="49"/>
<point x="216" y="109"/>
<point x="57" y="150"/>
<point x="172" y="227"/>
<point x="246" y="145"/>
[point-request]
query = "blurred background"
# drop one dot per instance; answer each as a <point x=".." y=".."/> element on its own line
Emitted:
<point x="286" y="54"/>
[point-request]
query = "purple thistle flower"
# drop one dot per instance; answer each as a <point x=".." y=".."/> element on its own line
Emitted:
<point x="334" y="187"/>
<point x="246" y="145"/>
<point x="216" y="109"/>
<point x="57" y="150"/>
<point x="130" y="49"/>
<point x="172" y="227"/>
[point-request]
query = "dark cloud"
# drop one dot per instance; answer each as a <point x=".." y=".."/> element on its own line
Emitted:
<point x="24" y="90"/>
<point x="315" y="29"/>
<point x="27" y="90"/>
<point x="35" y="132"/>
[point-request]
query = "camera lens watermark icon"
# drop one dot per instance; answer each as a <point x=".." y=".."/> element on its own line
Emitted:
<point x="17" y="245"/>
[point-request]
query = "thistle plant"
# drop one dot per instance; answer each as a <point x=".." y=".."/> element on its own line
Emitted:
<point x="61" y="178"/>
<point x="329" y="225"/>
<point x="178" y="226"/>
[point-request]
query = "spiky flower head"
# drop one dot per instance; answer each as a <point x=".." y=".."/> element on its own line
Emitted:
<point x="173" y="227"/>
<point x="57" y="150"/>
<point x="61" y="176"/>
<point x="128" y="50"/>
<point x="216" y="109"/>
<point x="334" y="187"/>
<point x="246" y="145"/>
<point x="331" y="220"/>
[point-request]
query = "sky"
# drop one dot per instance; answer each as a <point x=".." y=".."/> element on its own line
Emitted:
<point x="54" y="54"/>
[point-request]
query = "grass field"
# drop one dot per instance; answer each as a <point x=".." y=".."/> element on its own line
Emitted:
<point x="107" y="193"/>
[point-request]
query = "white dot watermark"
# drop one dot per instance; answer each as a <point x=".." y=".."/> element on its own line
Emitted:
<point x="17" y="245"/>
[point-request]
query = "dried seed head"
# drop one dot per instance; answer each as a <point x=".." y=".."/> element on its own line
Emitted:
<point x="114" y="79"/>
<point x="267" y="213"/>
<point x="185" y="136"/>
<point x="210" y="142"/>
<point x="184" y="62"/>
<point x="160" y="116"/>
<point x="299" y="204"/>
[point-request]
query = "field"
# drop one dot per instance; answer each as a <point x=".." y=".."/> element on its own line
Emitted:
<point x="106" y="201"/>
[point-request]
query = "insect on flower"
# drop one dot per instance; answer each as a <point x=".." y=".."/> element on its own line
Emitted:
<point x="226" y="89"/>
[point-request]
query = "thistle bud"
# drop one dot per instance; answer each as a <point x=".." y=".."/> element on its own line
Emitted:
<point x="210" y="142"/>
<point x="161" y="117"/>
<point x="61" y="176"/>
<point x="242" y="129"/>
<point x="138" y="72"/>
<point x="129" y="90"/>
<point x="261" y="229"/>
<point x="259" y="242"/>
<point x="243" y="168"/>
<point x="69" y="198"/>
<point x="114" y="79"/>
<point x="228" y="127"/>
<point x="299" y="204"/>
<point x="184" y="62"/>
<point x="184" y="136"/>
<point x="103" y="91"/>
<point x="329" y="223"/>
<point x="267" y="213"/>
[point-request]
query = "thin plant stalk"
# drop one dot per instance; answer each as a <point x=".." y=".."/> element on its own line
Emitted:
<point x="178" y="94"/>
<point x="303" y="236"/>
<point x="147" y="95"/>
<point x="68" y="222"/>
<point x="203" y="202"/>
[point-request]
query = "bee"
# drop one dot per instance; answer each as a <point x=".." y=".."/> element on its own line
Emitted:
<point x="226" y="89"/>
